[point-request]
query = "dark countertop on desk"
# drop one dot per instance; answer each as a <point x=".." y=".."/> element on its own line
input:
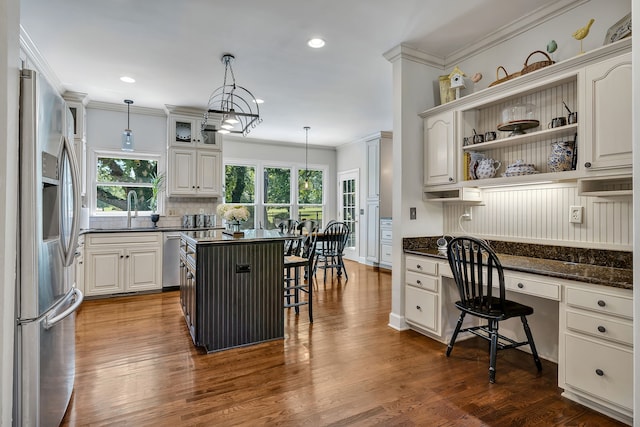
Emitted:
<point x="587" y="273"/>
<point x="144" y="229"/>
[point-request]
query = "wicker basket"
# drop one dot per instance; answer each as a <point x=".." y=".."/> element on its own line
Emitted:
<point x="536" y="65"/>
<point x="507" y="76"/>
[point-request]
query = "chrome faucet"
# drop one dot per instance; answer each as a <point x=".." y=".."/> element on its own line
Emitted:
<point x="135" y="201"/>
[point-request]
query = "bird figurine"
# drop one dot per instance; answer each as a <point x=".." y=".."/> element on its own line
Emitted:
<point x="582" y="33"/>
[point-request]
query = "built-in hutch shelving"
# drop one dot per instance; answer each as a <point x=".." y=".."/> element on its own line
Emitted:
<point x="595" y="85"/>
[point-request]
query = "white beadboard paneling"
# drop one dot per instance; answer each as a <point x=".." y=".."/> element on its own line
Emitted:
<point x="540" y="214"/>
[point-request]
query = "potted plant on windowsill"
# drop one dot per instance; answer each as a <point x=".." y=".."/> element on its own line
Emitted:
<point x="157" y="183"/>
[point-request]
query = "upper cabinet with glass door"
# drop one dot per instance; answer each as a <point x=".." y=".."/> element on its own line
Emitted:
<point x="185" y="129"/>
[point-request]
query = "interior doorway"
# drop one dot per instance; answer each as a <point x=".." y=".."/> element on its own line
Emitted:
<point x="348" y="210"/>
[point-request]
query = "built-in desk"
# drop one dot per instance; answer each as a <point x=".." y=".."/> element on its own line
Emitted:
<point x="582" y="314"/>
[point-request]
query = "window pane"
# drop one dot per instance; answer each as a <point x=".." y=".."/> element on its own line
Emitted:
<point x="277" y="186"/>
<point x="313" y="194"/>
<point x="239" y="184"/>
<point x="274" y="215"/>
<point x="113" y="198"/>
<point x="306" y="212"/>
<point x="250" y="223"/>
<point x="125" y="170"/>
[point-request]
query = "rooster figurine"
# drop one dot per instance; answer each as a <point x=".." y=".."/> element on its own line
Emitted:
<point x="582" y="33"/>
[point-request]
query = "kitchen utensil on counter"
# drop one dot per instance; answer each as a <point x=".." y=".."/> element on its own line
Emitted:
<point x="561" y="157"/>
<point x="210" y="220"/>
<point x="200" y="223"/>
<point x="487" y="168"/>
<point x="520" y="168"/>
<point x="188" y="221"/>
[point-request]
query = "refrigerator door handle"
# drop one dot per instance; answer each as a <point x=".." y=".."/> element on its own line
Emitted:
<point x="69" y="253"/>
<point x="50" y="321"/>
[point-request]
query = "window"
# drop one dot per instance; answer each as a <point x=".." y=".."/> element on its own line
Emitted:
<point x="277" y="196"/>
<point x="117" y="176"/>
<point x="310" y="199"/>
<point x="240" y="188"/>
<point x="272" y="199"/>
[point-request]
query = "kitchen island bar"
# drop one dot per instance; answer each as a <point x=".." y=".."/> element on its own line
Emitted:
<point x="231" y="289"/>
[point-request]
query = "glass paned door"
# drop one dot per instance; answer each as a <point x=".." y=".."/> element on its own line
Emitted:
<point x="348" y="196"/>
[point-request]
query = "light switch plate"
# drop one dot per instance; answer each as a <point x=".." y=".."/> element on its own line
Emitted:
<point x="412" y="213"/>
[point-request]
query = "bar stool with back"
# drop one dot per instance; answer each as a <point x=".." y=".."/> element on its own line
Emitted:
<point x="468" y="258"/>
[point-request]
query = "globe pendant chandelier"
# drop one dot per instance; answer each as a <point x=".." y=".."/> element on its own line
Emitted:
<point x="237" y="107"/>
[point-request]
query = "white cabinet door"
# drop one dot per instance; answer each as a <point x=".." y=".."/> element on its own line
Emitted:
<point x="421" y="308"/>
<point x="104" y="271"/>
<point x="373" y="169"/>
<point x="143" y="269"/>
<point x="439" y="150"/>
<point x="607" y="114"/>
<point x="373" y="231"/>
<point x="182" y="170"/>
<point x="209" y="174"/>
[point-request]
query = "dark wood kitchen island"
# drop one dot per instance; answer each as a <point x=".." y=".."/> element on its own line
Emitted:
<point x="231" y="289"/>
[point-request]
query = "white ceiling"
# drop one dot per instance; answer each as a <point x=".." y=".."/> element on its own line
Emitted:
<point x="173" y="48"/>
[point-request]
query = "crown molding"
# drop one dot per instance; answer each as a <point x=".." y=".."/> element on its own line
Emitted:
<point x="108" y="106"/>
<point x="513" y="29"/>
<point x="33" y="54"/>
<point x="404" y="51"/>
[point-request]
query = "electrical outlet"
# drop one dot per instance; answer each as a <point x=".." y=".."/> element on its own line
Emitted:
<point x="412" y="213"/>
<point x="201" y="210"/>
<point x="467" y="214"/>
<point x="575" y="214"/>
<point x="172" y="212"/>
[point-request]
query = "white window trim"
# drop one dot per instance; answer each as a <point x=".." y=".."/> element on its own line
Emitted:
<point x="259" y="185"/>
<point x="92" y="177"/>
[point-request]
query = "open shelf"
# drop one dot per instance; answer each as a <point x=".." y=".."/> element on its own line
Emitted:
<point x="542" y="135"/>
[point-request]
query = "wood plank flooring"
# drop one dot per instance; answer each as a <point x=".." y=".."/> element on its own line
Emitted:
<point x="136" y="366"/>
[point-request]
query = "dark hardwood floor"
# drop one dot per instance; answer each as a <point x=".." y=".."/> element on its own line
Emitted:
<point x="137" y="366"/>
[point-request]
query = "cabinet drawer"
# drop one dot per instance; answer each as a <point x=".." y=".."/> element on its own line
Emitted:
<point x="422" y="281"/>
<point x="600" y="302"/>
<point x="386" y="222"/>
<point x="422" y="265"/>
<point x="385" y="254"/>
<point x="122" y="239"/>
<point x="421" y="308"/>
<point x="386" y="234"/>
<point x="601" y="327"/>
<point x="532" y="287"/>
<point x="600" y="369"/>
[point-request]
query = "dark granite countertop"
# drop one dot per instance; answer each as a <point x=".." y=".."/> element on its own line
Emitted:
<point x="614" y="269"/>
<point x="218" y="237"/>
<point x="144" y="229"/>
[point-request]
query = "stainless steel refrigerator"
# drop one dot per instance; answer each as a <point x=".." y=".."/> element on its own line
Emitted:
<point x="46" y="298"/>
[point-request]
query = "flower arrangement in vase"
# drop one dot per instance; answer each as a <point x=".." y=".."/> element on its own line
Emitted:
<point x="233" y="215"/>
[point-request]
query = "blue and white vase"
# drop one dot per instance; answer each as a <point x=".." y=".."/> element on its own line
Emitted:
<point x="561" y="157"/>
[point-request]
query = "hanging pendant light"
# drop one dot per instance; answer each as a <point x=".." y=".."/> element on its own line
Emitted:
<point x="127" y="134"/>
<point x="236" y="107"/>
<point x="306" y="158"/>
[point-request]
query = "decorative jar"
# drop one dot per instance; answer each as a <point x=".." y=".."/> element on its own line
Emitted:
<point x="561" y="157"/>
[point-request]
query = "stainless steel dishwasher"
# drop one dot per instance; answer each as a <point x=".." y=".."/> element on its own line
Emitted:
<point x="171" y="259"/>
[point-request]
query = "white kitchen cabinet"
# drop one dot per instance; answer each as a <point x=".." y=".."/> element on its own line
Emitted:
<point x="422" y="294"/>
<point x="607" y="114"/>
<point x="373" y="230"/>
<point x="186" y="131"/>
<point x="439" y="149"/>
<point x="596" y="349"/>
<point x="386" y="242"/>
<point x="123" y="262"/>
<point x="195" y="173"/>
<point x="595" y="84"/>
<point x="373" y="168"/>
<point x="79" y="265"/>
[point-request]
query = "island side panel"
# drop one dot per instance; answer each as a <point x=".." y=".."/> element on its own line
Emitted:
<point x="239" y="294"/>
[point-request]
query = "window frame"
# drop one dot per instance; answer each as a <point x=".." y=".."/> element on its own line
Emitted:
<point x="260" y="205"/>
<point x="135" y="155"/>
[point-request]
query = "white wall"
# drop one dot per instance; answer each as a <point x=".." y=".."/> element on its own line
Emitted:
<point x="9" y="88"/>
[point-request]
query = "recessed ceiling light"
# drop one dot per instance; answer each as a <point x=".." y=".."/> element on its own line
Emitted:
<point x="316" y="43"/>
<point x="258" y="101"/>
<point x="128" y="79"/>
